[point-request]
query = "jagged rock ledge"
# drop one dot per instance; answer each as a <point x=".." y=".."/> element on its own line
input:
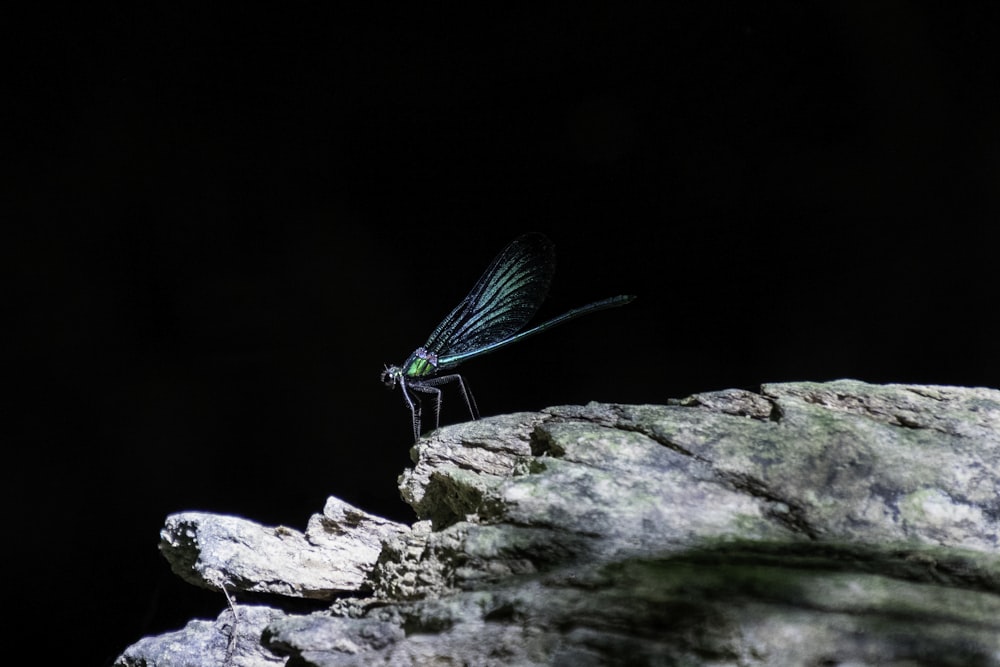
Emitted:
<point x="809" y="523"/>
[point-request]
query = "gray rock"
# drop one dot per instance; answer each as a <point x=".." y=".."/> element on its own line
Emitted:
<point x="811" y="523"/>
<point x="232" y="639"/>
<point x="335" y="554"/>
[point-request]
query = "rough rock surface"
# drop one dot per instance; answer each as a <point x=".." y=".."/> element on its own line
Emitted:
<point x="837" y="523"/>
<point x="334" y="556"/>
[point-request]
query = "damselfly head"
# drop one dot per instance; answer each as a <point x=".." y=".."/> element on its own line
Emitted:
<point x="391" y="376"/>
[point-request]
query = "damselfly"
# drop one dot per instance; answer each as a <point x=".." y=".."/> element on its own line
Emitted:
<point x="491" y="316"/>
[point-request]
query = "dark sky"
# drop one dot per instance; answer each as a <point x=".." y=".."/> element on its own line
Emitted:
<point x="230" y="220"/>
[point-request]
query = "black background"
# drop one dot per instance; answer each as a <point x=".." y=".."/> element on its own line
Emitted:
<point x="229" y="220"/>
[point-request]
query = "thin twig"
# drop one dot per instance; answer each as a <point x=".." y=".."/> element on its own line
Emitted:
<point x="231" y="647"/>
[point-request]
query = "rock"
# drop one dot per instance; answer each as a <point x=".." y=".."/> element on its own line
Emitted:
<point x="809" y="523"/>
<point x="210" y="642"/>
<point x="335" y="554"/>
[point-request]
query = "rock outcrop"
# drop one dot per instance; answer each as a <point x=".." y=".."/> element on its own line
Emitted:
<point x="807" y="524"/>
